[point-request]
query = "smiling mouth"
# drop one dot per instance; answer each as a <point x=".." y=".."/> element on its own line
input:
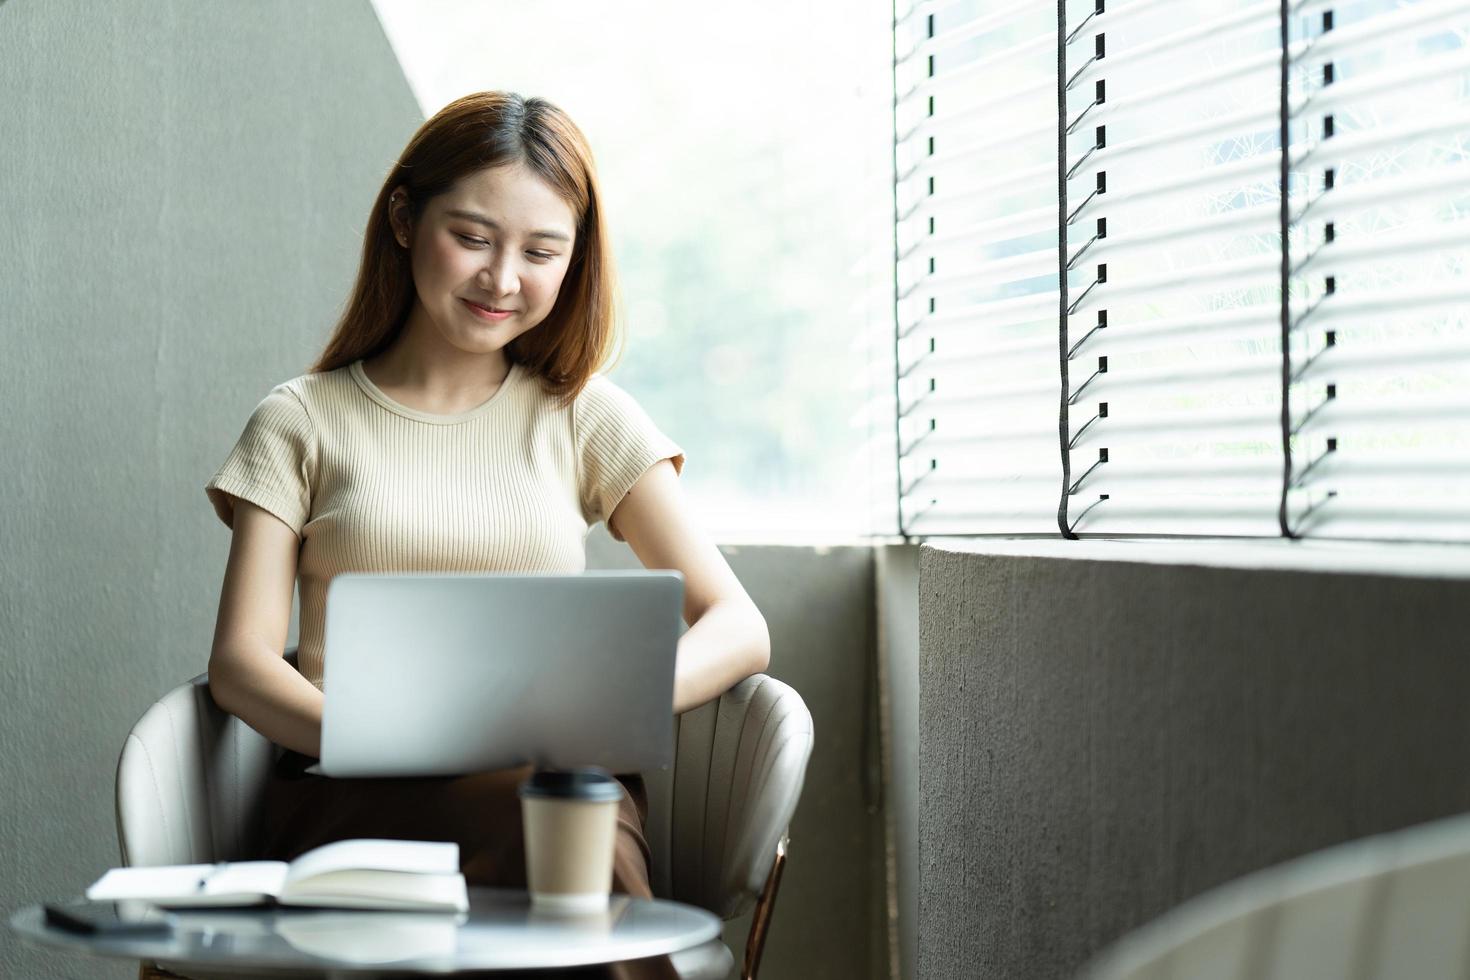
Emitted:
<point x="485" y="309"/>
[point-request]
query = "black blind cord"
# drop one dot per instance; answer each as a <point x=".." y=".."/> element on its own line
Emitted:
<point x="1063" y="423"/>
<point x="1286" y="475"/>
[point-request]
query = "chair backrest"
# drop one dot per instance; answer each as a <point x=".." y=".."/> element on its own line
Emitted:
<point x="189" y="782"/>
<point x="1392" y="905"/>
<point x="191" y="776"/>
<point x="716" y="816"/>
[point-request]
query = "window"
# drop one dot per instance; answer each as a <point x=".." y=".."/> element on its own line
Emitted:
<point x="748" y="173"/>
<point x="1091" y="328"/>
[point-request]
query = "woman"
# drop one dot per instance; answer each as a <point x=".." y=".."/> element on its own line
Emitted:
<point x="456" y="422"/>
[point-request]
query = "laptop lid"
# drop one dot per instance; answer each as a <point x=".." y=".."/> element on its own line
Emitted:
<point x="452" y="673"/>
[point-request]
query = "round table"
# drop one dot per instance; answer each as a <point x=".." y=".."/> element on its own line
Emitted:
<point x="501" y="931"/>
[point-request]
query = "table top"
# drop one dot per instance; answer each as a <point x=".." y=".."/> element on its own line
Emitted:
<point x="501" y="931"/>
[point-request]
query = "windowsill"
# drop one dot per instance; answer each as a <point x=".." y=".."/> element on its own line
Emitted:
<point x="1411" y="560"/>
<point x="1347" y="557"/>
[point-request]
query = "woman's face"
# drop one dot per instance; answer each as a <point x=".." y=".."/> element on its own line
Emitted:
<point x="500" y="239"/>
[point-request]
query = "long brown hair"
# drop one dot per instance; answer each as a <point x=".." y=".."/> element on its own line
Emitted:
<point x="491" y="129"/>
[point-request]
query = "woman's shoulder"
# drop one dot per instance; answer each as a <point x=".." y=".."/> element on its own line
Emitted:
<point x="604" y="408"/>
<point x="314" y="391"/>
<point x="603" y="401"/>
<point x="598" y="396"/>
<point x="601" y="393"/>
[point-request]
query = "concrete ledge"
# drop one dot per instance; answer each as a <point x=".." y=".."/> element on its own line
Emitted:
<point x="1101" y="739"/>
<point x="1353" y="557"/>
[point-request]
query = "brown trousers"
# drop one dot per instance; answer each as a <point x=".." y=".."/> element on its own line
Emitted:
<point x="480" y="812"/>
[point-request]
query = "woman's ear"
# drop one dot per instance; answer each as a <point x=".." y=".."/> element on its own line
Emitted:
<point x="399" y="215"/>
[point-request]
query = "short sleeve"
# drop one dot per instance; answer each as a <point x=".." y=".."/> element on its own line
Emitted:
<point x="616" y="443"/>
<point x="272" y="463"/>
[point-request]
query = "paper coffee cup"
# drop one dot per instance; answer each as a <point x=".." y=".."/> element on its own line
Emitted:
<point x="570" y="819"/>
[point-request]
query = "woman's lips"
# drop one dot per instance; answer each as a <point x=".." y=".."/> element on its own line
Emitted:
<point x="484" y="313"/>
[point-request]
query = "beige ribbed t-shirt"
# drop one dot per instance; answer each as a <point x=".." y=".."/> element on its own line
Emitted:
<point x="370" y="485"/>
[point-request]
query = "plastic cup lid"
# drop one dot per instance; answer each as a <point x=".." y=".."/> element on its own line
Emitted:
<point x="586" y="783"/>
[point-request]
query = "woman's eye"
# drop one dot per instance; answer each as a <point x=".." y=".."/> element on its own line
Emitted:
<point x="471" y="242"/>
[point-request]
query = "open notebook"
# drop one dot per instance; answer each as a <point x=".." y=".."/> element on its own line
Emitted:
<point x="354" y="874"/>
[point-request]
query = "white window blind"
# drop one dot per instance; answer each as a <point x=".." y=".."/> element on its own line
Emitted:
<point x="1177" y="124"/>
<point x="1091" y="227"/>
<point x="1380" y="351"/>
<point x="977" y="267"/>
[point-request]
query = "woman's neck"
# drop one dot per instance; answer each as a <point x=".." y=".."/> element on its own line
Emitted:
<point x="420" y="370"/>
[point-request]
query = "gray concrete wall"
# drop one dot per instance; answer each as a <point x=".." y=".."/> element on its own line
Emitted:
<point x="1102" y="739"/>
<point x="830" y="919"/>
<point x="184" y="187"/>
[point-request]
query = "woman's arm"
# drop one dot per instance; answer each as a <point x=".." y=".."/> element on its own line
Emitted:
<point x="248" y="673"/>
<point x="727" y="639"/>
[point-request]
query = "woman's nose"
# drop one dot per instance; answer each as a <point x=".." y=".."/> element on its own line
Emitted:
<point x="499" y="276"/>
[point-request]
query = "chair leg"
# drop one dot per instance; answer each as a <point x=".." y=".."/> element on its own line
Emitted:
<point x="761" y="921"/>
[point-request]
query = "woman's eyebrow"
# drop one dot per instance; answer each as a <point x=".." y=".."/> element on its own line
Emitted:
<point x="481" y="219"/>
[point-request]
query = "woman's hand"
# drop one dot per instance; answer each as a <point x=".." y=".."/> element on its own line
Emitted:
<point x="727" y="639"/>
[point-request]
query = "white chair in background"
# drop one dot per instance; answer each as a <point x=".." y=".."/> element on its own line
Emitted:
<point x="1395" y="906"/>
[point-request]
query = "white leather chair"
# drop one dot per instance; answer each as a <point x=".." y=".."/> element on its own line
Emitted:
<point x="1390" y="906"/>
<point x="190" y="779"/>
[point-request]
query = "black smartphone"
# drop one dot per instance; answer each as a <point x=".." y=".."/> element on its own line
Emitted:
<point x="108" y="919"/>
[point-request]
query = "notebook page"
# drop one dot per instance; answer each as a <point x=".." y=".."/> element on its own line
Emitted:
<point x="189" y="881"/>
<point x="379" y="890"/>
<point x="163" y="882"/>
<point x="426" y="857"/>
<point x="247" y="878"/>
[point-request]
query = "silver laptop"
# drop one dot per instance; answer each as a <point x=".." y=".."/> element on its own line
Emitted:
<point x="452" y="673"/>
